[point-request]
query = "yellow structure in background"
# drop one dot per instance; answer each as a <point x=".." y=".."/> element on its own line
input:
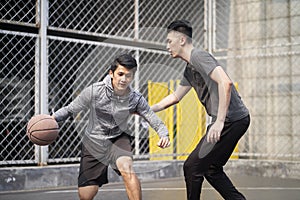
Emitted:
<point x="191" y="124"/>
<point x="156" y="92"/>
<point x="189" y="127"/>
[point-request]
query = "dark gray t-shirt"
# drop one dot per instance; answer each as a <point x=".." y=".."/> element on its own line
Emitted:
<point x="197" y="75"/>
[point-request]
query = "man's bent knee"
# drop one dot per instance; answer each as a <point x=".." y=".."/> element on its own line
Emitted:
<point x="87" y="192"/>
<point x="188" y="169"/>
<point x="124" y="165"/>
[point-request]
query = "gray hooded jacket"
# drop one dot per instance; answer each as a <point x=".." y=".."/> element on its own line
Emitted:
<point x="109" y="113"/>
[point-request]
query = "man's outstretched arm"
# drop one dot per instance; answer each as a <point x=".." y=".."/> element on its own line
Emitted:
<point x="171" y="99"/>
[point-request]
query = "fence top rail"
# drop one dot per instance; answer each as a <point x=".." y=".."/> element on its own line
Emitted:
<point x="18" y="33"/>
<point x="108" y="44"/>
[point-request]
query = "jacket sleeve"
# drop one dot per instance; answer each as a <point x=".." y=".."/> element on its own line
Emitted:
<point x="144" y="110"/>
<point x="81" y="102"/>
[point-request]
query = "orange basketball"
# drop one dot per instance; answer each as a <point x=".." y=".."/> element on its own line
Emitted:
<point x="42" y="129"/>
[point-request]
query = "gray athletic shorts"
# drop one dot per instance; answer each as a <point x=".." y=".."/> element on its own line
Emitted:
<point x="96" y="158"/>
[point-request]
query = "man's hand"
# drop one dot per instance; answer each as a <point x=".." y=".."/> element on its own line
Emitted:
<point x="53" y="117"/>
<point x="164" y="142"/>
<point x="214" y="133"/>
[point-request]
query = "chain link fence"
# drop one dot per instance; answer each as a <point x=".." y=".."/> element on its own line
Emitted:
<point x="257" y="42"/>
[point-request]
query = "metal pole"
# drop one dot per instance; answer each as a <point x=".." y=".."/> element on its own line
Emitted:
<point x="136" y="78"/>
<point x="210" y="28"/>
<point x="214" y="26"/>
<point x="205" y="45"/>
<point x="43" y="72"/>
<point x="208" y="35"/>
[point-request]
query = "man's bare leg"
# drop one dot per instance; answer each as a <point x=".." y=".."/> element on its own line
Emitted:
<point x="132" y="183"/>
<point x="88" y="192"/>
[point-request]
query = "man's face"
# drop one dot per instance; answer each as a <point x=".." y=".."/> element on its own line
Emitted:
<point x="173" y="43"/>
<point x="121" y="79"/>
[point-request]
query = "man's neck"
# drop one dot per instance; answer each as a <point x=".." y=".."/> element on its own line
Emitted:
<point x="186" y="53"/>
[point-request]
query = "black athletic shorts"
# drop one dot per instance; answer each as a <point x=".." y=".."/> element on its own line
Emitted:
<point x="96" y="158"/>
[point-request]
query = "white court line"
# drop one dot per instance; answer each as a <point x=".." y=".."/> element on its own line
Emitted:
<point x="176" y="189"/>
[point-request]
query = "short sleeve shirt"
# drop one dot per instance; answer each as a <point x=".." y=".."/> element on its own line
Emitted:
<point x="197" y="74"/>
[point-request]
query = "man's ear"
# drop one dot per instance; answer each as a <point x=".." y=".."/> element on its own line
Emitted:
<point x="182" y="40"/>
<point x="111" y="73"/>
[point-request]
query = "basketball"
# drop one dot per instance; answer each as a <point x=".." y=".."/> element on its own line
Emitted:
<point x="42" y="129"/>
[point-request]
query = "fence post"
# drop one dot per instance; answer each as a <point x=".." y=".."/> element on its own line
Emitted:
<point x="137" y="76"/>
<point x="41" y="86"/>
<point x="136" y="118"/>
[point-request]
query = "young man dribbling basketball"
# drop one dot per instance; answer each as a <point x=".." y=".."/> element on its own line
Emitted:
<point x="230" y="117"/>
<point x="106" y="140"/>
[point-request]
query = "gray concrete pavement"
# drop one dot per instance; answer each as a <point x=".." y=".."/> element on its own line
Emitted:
<point x="253" y="187"/>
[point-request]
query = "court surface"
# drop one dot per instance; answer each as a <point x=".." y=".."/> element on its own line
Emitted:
<point x="254" y="188"/>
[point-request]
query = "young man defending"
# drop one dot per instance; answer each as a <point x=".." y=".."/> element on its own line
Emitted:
<point x="230" y="117"/>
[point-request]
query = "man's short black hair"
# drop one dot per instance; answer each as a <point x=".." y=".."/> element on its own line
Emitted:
<point x="182" y="26"/>
<point x="125" y="60"/>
